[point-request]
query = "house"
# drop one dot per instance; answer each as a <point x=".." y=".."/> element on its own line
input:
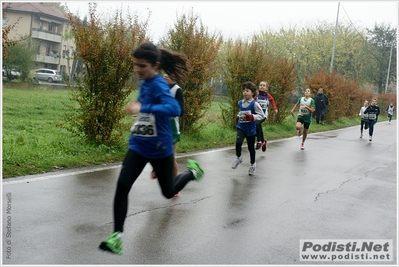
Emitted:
<point x="49" y="26"/>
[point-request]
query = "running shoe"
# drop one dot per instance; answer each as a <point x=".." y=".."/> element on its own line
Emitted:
<point x="370" y="138"/>
<point x="237" y="161"/>
<point x="258" y="145"/>
<point x="252" y="169"/>
<point x="194" y="166"/>
<point x="264" y="145"/>
<point x="361" y="136"/>
<point x="302" y="146"/>
<point x="113" y="244"/>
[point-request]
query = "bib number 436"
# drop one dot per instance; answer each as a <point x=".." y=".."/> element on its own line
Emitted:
<point x="143" y="129"/>
<point x="145" y="125"/>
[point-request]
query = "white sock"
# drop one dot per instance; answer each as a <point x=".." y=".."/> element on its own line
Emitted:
<point x="120" y="235"/>
<point x="194" y="173"/>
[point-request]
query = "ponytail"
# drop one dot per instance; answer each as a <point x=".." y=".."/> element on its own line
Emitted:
<point x="174" y="64"/>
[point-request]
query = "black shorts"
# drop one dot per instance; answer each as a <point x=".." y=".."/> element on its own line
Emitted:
<point x="305" y="124"/>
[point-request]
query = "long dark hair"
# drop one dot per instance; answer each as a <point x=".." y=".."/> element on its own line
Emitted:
<point x="172" y="63"/>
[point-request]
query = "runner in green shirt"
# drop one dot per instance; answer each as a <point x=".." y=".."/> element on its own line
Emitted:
<point x="306" y="108"/>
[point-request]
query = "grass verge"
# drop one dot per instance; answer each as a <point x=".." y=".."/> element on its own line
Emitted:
<point x="32" y="143"/>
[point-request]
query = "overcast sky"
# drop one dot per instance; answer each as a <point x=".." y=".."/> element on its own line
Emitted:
<point x="243" y="18"/>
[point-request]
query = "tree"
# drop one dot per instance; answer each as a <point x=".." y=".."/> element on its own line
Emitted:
<point x="242" y="61"/>
<point x="105" y="49"/>
<point x="253" y="61"/>
<point x="6" y="31"/>
<point x="281" y="76"/>
<point x="20" y="59"/>
<point x="382" y="38"/>
<point x="311" y="49"/>
<point x="69" y="54"/>
<point x="56" y="5"/>
<point x="344" y="95"/>
<point x="191" y="38"/>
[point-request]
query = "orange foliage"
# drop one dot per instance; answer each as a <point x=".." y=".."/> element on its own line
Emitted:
<point x="105" y="49"/>
<point x="6" y="31"/>
<point x="345" y="96"/>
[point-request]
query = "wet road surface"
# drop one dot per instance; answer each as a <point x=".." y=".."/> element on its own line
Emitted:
<point x="339" y="187"/>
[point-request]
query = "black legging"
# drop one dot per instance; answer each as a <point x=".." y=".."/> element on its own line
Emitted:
<point x="251" y="143"/>
<point x="365" y="124"/>
<point x="371" y="126"/>
<point x="259" y="131"/>
<point x="132" y="167"/>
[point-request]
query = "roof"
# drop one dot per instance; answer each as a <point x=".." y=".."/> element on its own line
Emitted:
<point x="34" y="7"/>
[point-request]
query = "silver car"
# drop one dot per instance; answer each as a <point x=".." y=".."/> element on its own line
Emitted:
<point x="48" y="75"/>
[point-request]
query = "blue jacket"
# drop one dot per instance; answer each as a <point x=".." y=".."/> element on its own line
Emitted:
<point x="151" y="134"/>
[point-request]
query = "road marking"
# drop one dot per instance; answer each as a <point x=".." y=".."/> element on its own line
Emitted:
<point x="10" y="181"/>
<point x="46" y="177"/>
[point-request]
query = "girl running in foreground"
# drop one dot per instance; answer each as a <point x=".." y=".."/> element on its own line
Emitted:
<point x="151" y="138"/>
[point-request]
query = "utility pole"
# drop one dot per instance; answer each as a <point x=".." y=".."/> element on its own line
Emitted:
<point x="335" y="38"/>
<point x="389" y="68"/>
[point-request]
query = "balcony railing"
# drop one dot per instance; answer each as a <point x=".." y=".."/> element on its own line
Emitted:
<point x="47" y="59"/>
<point x="46" y="35"/>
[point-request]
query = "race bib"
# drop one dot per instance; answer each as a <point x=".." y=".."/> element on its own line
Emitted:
<point x="145" y="125"/>
<point x="263" y="103"/>
<point x="372" y="116"/>
<point x="241" y="116"/>
<point x="303" y="111"/>
<point x="365" y="116"/>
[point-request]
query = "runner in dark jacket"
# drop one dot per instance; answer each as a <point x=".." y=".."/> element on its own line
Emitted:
<point x="373" y="111"/>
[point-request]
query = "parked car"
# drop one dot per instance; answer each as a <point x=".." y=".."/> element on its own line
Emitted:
<point x="48" y="75"/>
<point x="13" y="74"/>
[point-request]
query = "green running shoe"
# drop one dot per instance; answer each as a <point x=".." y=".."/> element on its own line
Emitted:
<point x="194" y="166"/>
<point x="113" y="244"/>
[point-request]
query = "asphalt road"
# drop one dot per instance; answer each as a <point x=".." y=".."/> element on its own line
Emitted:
<point x="339" y="187"/>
